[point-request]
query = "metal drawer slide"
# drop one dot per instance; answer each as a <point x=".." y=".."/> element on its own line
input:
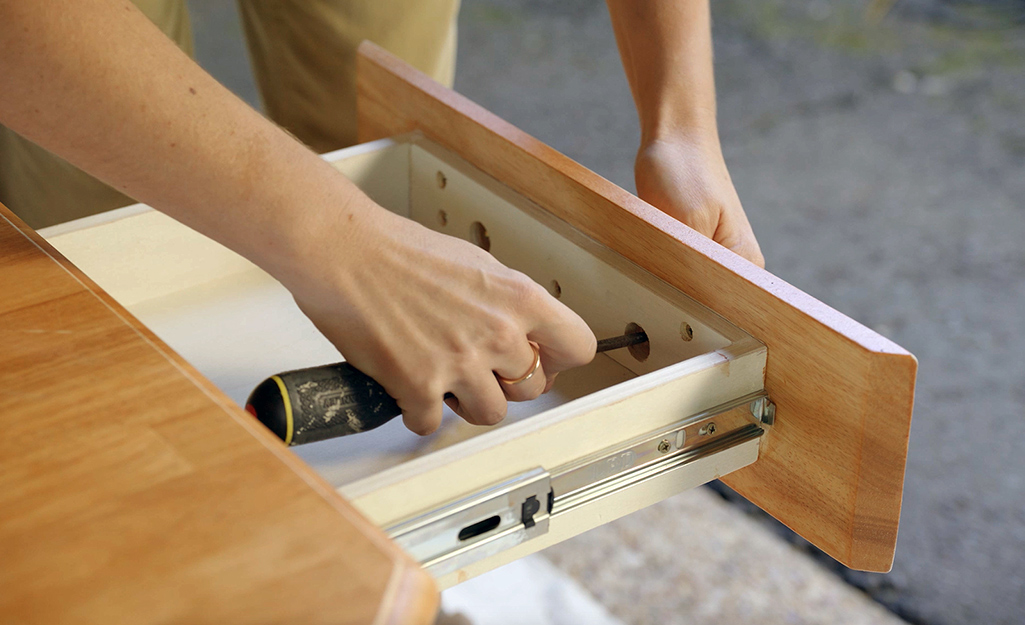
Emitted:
<point x="521" y="508"/>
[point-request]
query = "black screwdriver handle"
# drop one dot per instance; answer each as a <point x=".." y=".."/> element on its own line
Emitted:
<point x="308" y="405"/>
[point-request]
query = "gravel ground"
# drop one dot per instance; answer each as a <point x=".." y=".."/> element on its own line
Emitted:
<point x="882" y="168"/>
<point x="694" y="559"/>
<point x="882" y="164"/>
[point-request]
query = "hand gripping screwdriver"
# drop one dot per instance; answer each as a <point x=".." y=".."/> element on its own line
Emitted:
<point x="318" y="403"/>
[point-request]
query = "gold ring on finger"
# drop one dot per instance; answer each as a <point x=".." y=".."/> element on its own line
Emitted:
<point x="529" y="374"/>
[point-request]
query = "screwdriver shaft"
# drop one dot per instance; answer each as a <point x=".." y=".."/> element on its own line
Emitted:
<point x="625" y="340"/>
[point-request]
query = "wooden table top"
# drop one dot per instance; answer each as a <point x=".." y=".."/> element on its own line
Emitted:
<point x="133" y="491"/>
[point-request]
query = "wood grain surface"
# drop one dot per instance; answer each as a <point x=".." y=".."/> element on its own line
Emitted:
<point x="832" y="469"/>
<point x="133" y="491"/>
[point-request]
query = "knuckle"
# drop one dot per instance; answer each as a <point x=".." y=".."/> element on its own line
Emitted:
<point x="525" y="291"/>
<point x="466" y="370"/>
<point x="419" y="391"/>
<point x="505" y="335"/>
<point x="704" y="222"/>
<point x="538" y="295"/>
<point x="407" y="370"/>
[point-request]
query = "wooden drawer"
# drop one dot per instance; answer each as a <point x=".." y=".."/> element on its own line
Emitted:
<point x="592" y="445"/>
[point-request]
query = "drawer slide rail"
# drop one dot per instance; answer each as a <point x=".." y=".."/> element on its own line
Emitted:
<point x="516" y="510"/>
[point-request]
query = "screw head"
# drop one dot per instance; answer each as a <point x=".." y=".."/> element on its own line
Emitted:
<point x="764" y="410"/>
<point x="708" y="429"/>
<point x="665" y="445"/>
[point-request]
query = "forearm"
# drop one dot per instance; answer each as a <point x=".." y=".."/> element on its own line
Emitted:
<point x="666" y="49"/>
<point x="420" y="312"/>
<point x="667" y="54"/>
<point x="95" y="82"/>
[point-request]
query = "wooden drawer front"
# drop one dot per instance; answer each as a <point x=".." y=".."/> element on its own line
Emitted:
<point x="834" y="468"/>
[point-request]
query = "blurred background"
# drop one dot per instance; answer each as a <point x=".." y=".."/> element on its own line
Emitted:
<point x="879" y="150"/>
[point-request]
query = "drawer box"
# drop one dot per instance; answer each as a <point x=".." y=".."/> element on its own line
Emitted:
<point x="587" y="452"/>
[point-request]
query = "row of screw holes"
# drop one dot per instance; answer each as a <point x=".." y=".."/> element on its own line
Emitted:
<point x="479" y="236"/>
<point x="478" y="233"/>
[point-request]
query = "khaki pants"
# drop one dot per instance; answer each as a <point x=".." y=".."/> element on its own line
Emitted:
<point x="304" y="59"/>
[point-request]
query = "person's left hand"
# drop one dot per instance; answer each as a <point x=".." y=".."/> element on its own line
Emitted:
<point x="688" y="180"/>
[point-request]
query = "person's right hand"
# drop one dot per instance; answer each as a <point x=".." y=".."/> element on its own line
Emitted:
<point x="426" y="314"/>
<point x="422" y="313"/>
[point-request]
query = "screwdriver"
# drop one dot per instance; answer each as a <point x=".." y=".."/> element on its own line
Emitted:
<point x="318" y="403"/>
